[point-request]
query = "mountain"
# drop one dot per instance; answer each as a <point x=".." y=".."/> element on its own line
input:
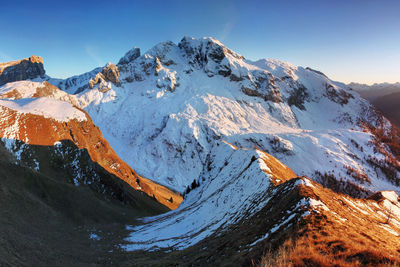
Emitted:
<point x="310" y="224"/>
<point x="188" y="106"/>
<point x="389" y="105"/>
<point x="384" y="96"/>
<point x="61" y="180"/>
<point x="47" y="219"/>
<point x="372" y="92"/>
<point x="176" y="102"/>
<point x="271" y="158"/>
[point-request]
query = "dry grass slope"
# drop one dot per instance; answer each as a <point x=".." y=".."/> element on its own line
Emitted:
<point x="353" y="232"/>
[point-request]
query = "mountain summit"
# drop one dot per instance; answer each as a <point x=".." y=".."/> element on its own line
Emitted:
<point x="176" y="102"/>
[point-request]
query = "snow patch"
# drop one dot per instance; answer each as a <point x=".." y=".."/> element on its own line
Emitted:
<point x="46" y="107"/>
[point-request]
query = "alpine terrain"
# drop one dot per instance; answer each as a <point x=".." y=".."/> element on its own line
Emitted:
<point x="192" y="155"/>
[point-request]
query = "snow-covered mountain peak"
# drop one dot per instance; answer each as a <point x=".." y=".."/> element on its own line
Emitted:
<point x="176" y="102"/>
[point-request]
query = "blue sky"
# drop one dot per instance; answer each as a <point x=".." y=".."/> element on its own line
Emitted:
<point x="347" y="40"/>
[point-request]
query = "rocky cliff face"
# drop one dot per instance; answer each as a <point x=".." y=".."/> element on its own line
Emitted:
<point x="103" y="79"/>
<point x="130" y="56"/>
<point x="25" y="69"/>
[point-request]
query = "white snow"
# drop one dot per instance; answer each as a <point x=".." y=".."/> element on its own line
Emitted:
<point x="307" y="182"/>
<point x="317" y="204"/>
<point x="24" y="88"/>
<point x="57" y="143"/>
<point x="391" y="196"/>
<point x="27" y="89"/>
<point x="46" y="107"/>
<point x="356" y="206"/>
<point x="178" y="130"/>
<point x="392" y="205"/>
<point x="226" y="195"/>
<point x="389" y="229"/>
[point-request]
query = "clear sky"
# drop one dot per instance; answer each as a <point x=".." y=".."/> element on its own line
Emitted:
<point x="347" y="40"/>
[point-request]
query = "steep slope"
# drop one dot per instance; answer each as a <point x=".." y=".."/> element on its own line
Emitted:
<point x="28" y="120"/>
<point x="235" y="188"/>
<point x="176" y="102"/>
<point x="342" y="231"/>
<point x="385" y="97"/>
<point x="389" y="105"/>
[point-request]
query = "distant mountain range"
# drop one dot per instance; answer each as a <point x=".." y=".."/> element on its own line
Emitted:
<point x="384" y="96"/>
<point x="248" y="160"/>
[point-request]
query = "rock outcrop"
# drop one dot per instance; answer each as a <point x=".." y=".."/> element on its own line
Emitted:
<point x="24" y="69"/>
<point x="109" y="74"/>
<point x="130" y="56"/>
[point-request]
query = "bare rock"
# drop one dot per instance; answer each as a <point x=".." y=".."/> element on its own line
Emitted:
<point x="109" y="74"/>
<point x="24" y="69"/>
<point x="130" y="56"/>
<point x="262" y="85"/>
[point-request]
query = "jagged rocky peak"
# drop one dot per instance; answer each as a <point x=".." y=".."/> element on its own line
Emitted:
<point x="208" y="53"/>
<point x="130" y="56"/>
<point x="206" y="48"/>
<point x="19" y="70"/>
<point x="109" y="74"/>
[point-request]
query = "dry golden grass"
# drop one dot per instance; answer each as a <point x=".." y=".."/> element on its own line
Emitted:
<point x="280" y="173"/>
<point x="351" y="233"/>
<point x="303" y="254"/>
